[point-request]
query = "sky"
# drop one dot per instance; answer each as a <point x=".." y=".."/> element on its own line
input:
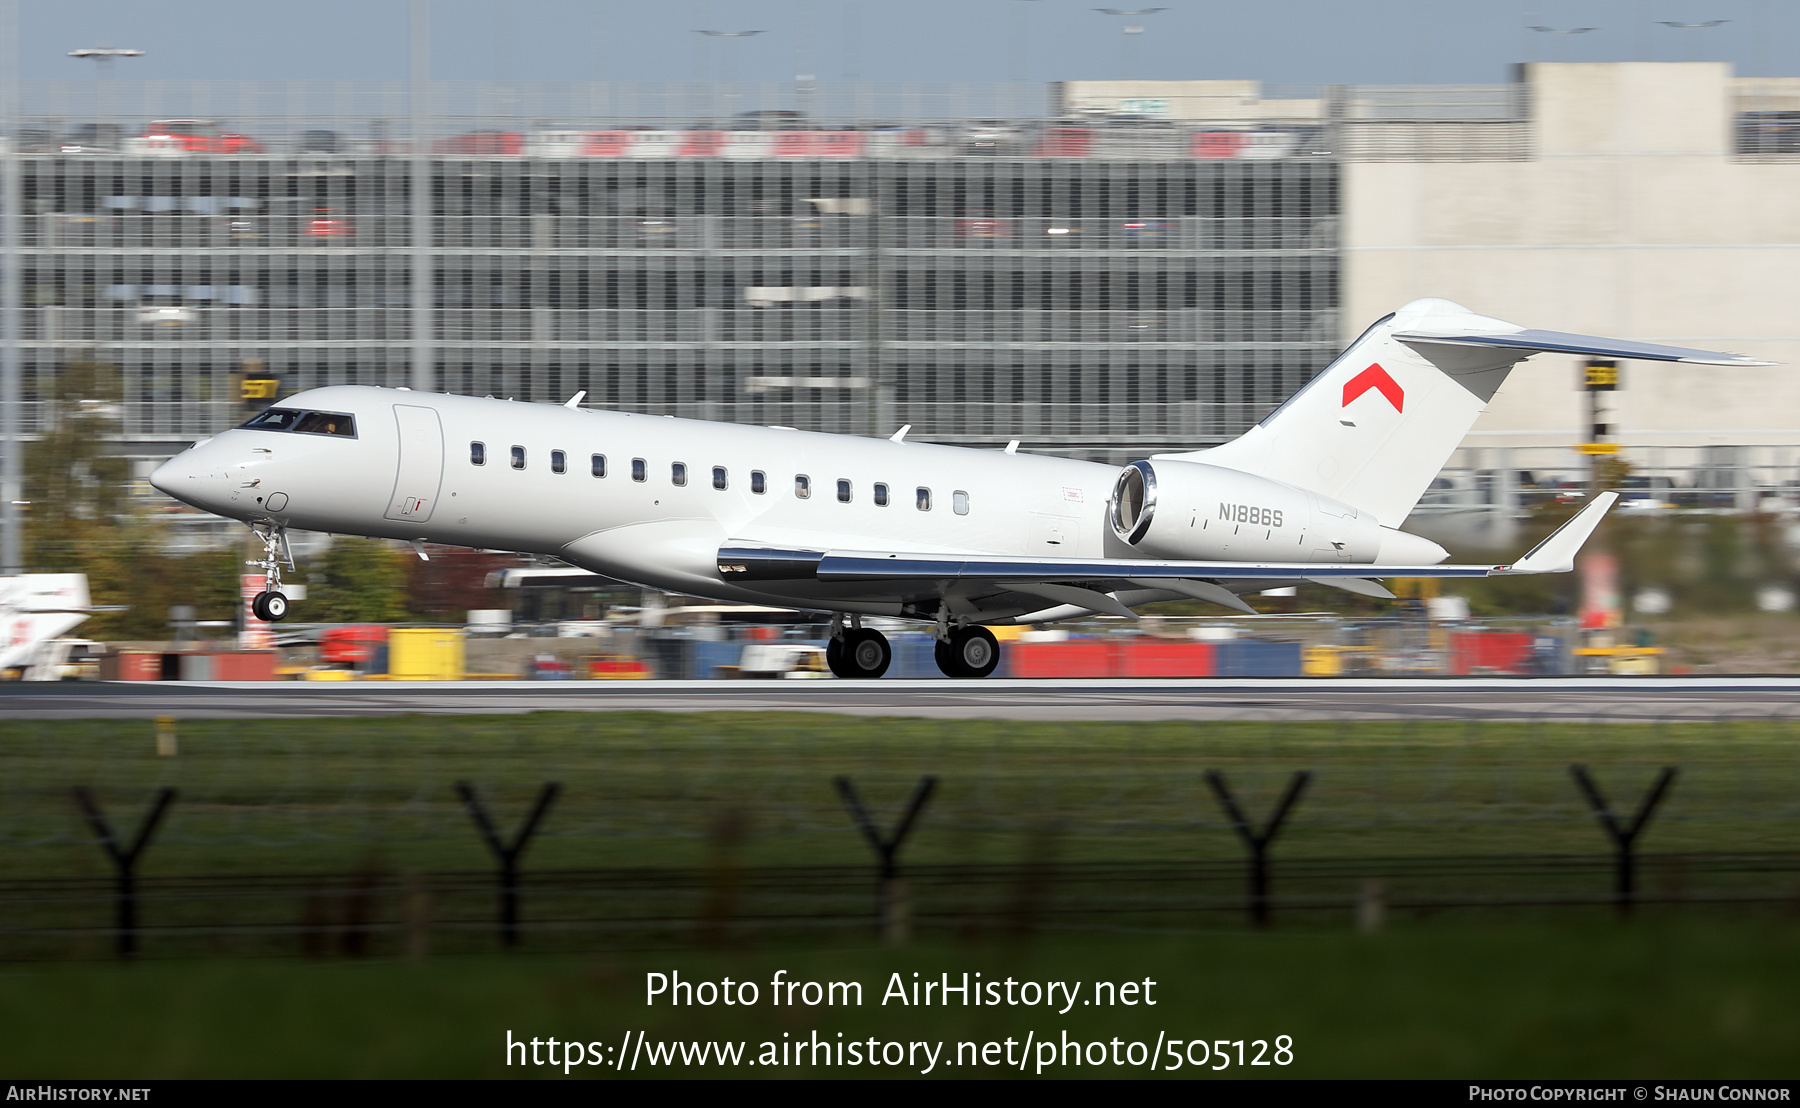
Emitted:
<point x="1276" y="41"/>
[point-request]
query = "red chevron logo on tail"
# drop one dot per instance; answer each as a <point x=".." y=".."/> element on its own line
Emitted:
<point x="1375" y="378"/>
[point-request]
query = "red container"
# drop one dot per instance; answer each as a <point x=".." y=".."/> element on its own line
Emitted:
<point x="351" y="645"/>
<point x="1490" y="652"/>
<point x="1152" y="658"/>
<point x="1077" y="658"/>
<point x="248" y="666"/>
<point x="131" y="666"/>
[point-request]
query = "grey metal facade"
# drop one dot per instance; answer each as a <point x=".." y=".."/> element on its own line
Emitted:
<point x="1104" y="307"/>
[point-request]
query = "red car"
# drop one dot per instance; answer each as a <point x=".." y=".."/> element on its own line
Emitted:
<point x="196" y="136"/>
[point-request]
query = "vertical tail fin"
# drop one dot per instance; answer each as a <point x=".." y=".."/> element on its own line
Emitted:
<point x="1375" y="426"/>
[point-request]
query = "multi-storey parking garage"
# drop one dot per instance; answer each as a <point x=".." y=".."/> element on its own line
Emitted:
<point x="1077" y="304"/>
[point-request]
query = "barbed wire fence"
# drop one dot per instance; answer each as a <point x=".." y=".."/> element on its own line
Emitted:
<point x="360" y="837"/>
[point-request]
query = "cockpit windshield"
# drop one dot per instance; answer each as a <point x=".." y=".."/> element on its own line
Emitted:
<point x="304" y="423"/>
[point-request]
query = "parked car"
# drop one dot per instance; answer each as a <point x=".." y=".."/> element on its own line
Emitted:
<point x="93" y="138"/>
<point x="983" y="224"/>
<point x="991" y="137"/>
<point x="194" y="136"/>
<point x="322" y="142"/>
<point x="483" y="144"/>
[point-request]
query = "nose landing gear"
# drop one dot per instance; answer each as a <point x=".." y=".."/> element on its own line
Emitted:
<point x="271" y="605"/>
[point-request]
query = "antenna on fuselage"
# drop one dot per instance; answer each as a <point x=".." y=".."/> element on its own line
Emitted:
<point x="575" y="401"/>
<point x="900" y="435"/>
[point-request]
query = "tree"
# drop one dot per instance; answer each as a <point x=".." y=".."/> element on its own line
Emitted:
<point x="359" y="581"/>
<point x="74" y="491"/>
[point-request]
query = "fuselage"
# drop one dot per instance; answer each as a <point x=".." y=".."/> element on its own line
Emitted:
<point x="653" y="499"/>
<point x="637" y="497"/>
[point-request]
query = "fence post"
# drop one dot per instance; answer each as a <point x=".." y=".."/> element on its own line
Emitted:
<point x="508" y="856"/>
<point x="124" y="861"/>
<point x="1624" y="839"/>
<point x="891" y="909"/>
<point x="1258" y="842"/>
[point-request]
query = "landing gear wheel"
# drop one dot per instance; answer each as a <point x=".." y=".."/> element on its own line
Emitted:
<point x="834" y="656"/>
<point x="971" y="652"/>
<point x="270" y="607"/>
<point x="866" y="654"/>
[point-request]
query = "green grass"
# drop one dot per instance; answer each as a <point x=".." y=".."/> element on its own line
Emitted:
<point x="1650" y="998"/>
<point x="647" y="789"/>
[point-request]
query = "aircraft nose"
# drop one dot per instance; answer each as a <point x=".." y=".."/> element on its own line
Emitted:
<point x="166" y="477"/>
<point x="179" y="477"/>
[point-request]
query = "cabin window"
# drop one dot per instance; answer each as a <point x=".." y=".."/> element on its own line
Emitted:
<point x="843" y="491"/>
<point x="326" y="423"/>
<point x="758" y="483"/>
<point x="518" y="457"/>
<point x="559" y="462"/>
<point x="274" y="419"/>
<point x="719" y="478"/>
<point x="639" y="471"/>
<point x="678" y="473"/>
<point x="959" y="502"/>
<point x="880" y="495"/>
<point x="597" y="464"/>
<point x="922" y="499"/>
<point x="478" y="453"/>
<point x="802" y="486"/>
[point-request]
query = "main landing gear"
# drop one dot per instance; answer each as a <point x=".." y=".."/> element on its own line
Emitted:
<point x="969" y="652"/>
<point x="857" y="651"/>
<point x="271" y="604"/>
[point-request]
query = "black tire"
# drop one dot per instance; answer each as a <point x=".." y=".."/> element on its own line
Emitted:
<point x="946" y="661"/>
<point x="275" y="606"/>
<point x="834" y="656"/>
<point x="975" y="651"/>
<point x="866" y="654"/>
<point x="256" y="606"/>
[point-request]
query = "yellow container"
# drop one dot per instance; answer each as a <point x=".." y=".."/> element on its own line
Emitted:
<point x="1322" y="661"/>
<point x="425" y="654"/>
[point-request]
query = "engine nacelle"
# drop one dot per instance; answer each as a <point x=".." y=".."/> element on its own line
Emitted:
<point x="1190" y="510"/>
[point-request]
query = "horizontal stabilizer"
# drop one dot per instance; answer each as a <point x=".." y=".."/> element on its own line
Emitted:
<point x="1561" y="342"/>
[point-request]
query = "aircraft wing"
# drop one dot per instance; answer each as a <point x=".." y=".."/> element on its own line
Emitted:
<point x="1555" y="554"/>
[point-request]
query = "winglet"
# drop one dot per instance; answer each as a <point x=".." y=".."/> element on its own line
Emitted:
<point x="1556" y="554"/>
<point x="900" y="435"/>
<point x="575" y="401"/>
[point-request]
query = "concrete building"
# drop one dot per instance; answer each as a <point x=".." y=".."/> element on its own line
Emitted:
<point x="1122" y="268"/>
<point x="1659" y="202"/>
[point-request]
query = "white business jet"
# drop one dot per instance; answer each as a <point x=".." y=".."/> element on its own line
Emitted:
<point x="954" y="537"/>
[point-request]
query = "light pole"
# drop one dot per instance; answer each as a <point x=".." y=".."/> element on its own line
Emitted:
<point x="102" y="57"/>
<point x="724" y="68"/>
<point x="12" y="473"/>
<point x="1563" y="32"/>
<point x="1693" y="39"/>
<point x="1132" y="30"/>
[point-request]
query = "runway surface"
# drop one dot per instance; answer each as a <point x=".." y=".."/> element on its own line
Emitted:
<point x="1634" y="699"/>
